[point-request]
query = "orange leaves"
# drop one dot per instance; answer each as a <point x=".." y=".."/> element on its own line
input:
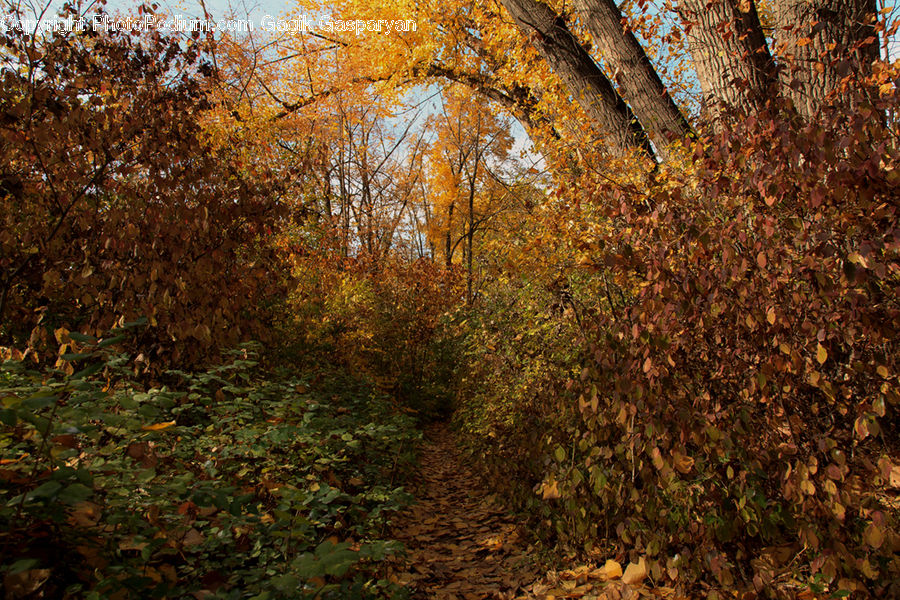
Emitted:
<point x="550" y="489"/>
<point x="682" y="462"/>
<point x="158" y="426"/>
<point x="610" y="570"/>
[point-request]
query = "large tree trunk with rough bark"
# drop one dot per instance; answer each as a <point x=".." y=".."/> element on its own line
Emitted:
<point x="637" y="79"/>
<point x="819" y="43"/>
<point x="733" y="63"/>
<point x="584" y="79"/>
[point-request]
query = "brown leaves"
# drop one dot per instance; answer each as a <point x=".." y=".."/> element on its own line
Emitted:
<point x="821" y="354"/>
<point x="85" y="514"/>
<point x="607" y="583"/>
<point x="143" y="453"/>
<point x="459" y="542"/>
<point x="25" y="583"/>
<point x="874" y="536"/>
<point x="173" y="236"/>
<point x="682" y="462"/>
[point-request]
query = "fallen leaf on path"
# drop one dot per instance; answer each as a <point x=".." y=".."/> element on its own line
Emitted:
<point x="611" y="570"/>
<point x="635" y="573"/>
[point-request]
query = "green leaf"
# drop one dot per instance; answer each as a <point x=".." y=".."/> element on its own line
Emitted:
<point x="112" y="340"/>
<point x="130" y="325"/>
<point x="8" y="417"/>
<point x="560" y="454"/>
<point x="307" y="566"/>
<point x="85" y="476"/>
<point x="46" y="490"/>
<point x="80" y="337"/>
<point x="88" y="371"/>
<point x="24" y="564"/>
<point x="76" y="355"/>
<point x="39" y="401"/>
<point x="338" y="563"/>
<point x="75" y="493"/>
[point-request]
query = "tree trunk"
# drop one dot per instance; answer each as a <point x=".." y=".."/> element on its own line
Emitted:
<point x="639" y="84"/>
<point x="820" y="43"/>
<point x="585" y="81"/>
<point x="729" y="51"/>
<point x="448" y="239"/>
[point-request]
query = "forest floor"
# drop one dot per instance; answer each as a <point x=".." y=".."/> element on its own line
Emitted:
<point x="463" y="544"/>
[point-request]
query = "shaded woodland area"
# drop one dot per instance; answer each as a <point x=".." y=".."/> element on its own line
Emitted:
<point x="634" y="267"/>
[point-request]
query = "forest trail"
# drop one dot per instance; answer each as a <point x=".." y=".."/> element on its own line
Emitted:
<point x="462" y="543"/>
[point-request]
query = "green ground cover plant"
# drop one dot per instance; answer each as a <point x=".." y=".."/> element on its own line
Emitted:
<point x="233" y="482"/>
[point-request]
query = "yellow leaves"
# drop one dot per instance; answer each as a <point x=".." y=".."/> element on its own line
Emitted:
<point x="807" y="487"/>
<point x="770" y="315"/>
<point x="550" y="489"/>
<point x="610" y="570"/>
<point x="158" y="426"/>
<point x="857" y="259"/>
<point x="750" y="321"/>
<point x="840" y="513"/>
<point x="873" y="536"/>
<point x="635" y="572"/>
<point x="821" y="354"/>
<point x="62" y="335"/>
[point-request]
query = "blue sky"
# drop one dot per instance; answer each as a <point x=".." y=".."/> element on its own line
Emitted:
<point x="218" y="9"/>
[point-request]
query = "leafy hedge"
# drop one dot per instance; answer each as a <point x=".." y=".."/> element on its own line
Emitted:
<point x="116" y="203"/>
<point x="731" y="413"/>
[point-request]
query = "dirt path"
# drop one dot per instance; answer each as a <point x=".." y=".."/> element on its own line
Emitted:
<point x="462" y="545"/>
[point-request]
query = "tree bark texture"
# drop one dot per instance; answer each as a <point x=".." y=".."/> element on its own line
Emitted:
<point x="729" y="51"/>
<point x="819" y="43"/>
<point x="580" y="74"/>
<point x="637" y="79"/>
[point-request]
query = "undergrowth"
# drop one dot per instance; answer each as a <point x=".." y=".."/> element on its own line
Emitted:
<point x="227" y="483"/>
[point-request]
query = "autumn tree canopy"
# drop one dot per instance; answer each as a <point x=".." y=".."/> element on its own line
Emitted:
<point x="635" y="265"/>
